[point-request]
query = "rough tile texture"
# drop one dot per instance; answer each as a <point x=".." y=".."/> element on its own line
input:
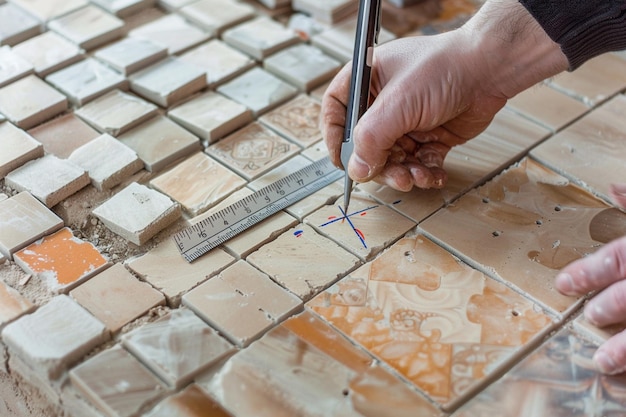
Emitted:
<point x="260" y="37"/>
<point x="48" y="52"/>
<point x="12" y="304"/>
<point x="61" y="136"/>
<point x="172" y="31"/>
<point x="88" y="27"/>
<point x="191" y="402"/>
<point x="216" y="15"/>
<point x="297" y="120"/>
<point x="131" y="54"/>
<point x="16" y="148"/>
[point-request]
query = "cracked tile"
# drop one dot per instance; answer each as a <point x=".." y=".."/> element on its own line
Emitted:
<point x="88" y="27"/>
<point x="171" y="31"/>
<point x="130" y="55"/>
<point x="260" y="37"/>
<point x="17" y="147"/>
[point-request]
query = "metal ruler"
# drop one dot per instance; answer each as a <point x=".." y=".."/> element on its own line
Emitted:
<point x="227" y="223"/>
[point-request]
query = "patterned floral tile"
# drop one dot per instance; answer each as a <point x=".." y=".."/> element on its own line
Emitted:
<point x="191" y="402"/>
<point x="48" y="52"/>
<point x="62" y="135"/>
<point x="172" y="31"/>
<point x="17" y="147"/>
<point x="442" y="325"/>
<point x="260" y="37"/>
<point x="297" y="120"/>
<point x="216" y="15"/>
<point x="88" y="27"/>
<point x="129" y="55"/>
<point x="17" y="25"/>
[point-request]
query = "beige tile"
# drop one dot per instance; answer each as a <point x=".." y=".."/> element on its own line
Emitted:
<point x="173" y="5"/>
<point x="191" y="402"/>
<point x="49" y="9"/>
<point x="221" y="62"/>
<point x="258" y="235"/>
<point x="288" y="167"/>
<point x="297" y="120"/>
<point x="318" y="93"/>
<point x="146" y="16"/>
<point x="231" y="199"/>
<point x="116" y="297"/>
<point x="211" y="116"/>
<point x="242" y="291"/>
<point x="197" y="183"/>
<point x="168" y="81"/>
<point x="12" y="304"/>
<point x="61" y="136"/>
<point x="116" y="112"/>
<point x="16" y="25"/>
<point x="124" y="8"/>
<point x="260" y="37"/>
<point x="316" y="151"/>
<point x="251" y="151"/>
<point x="171" y="31"/>
<point x="16" y="148"/>
<point x="88" y="27"/>
<point x="129" y="55"/>
<point x="165" y="269"/>
<point x="323" y="197"/>
<point x="326" y="11"/>
<point x="159" y="142"/>
<point x="50" y="179"/>
<point x="137" y="213"/>
<point x="12" y="66"/>
<point x="416" y="204"/>
<point x="285" y="260"/>
<point x="48" y="52"/>
<point x="216" y="15"/>
<point x="30" y="101"/>
<point x="23" y="219"/>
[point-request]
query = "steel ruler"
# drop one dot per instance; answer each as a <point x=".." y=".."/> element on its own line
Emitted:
<point x="230" y="221"/>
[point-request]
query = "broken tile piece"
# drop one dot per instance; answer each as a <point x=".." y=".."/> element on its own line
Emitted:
<point x="16" y="148"/>
<point x="177" y="347"/>
<point x="55" y="336"/>
<point x="49" y="9"/>
<point x="86" y="80"/>
<point x="116" y="383"/>
<point x="12" y="66"/>
<point x="168" y="81"/>
<point x="206" y="182"/>
<point x="116" y="112"/>
<point x="165" y="269"/>
<point x="50" y="179"/>
<point x="191" y="402"/>
<point x="216" y="15"/>
<point x="159" y="142"/>
<point x="61" y="261"/>
<point x="88" y="27"/>
<point x="30" y="101"/>
<point x="260" y="37"/>
<point x="242" y="291"/>
<point x="300" y="246"/>
<point x="23" y="219"/>
<point x="16" y="25"/>
<point x="48" y="52"/>
<point x="171" y="31"/>
<point x="211" y="116"/>
<point x="12" y="304"/>
<point x="107" y="161"/>
<point x="253" y="150"/>
<point x="116" y="297"/>
<point x="259" y="90"/>
<point x="129" y="55"/>
<point x="61" y="136"/>
<point x="137" y="213"/>
<point x="297" y="120"/>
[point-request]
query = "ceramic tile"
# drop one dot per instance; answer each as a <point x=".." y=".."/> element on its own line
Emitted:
<point x="300" y="246"/>
<point x="171" y="31"/>
<point x="216" y="15"/>
<point x="318" y="93"/>
<point x="328" y="11"/>
<point x="12" y="304"/>
<point x="61" y="136"/>
<point x="49" y="9"/>
<point x="50" y="179"/>
<point x="251" y="151"/>
<point x="547" y="106"/>
<point x="231" y="199"/>
<point x="117" y="384"/>
<point x="88" y="27"/>
<point x="260" y="37"/>
<point x="86" y="80"/>
<point x="509" y="126"/>
<point x="16" y="25"/>
<point x="431" y="316"/>
<point x="197" y="183"/>
<point x="116" y="297"/>
<point x="137" y="213"/>
<point x="12" y="66"/>
<point x="166" y="270"/>
<point x="290" y="166"/>
<point x="30" y="101"/>
<point x="16" y="148"/>
<point x="297" y="120"/>
<point x="315" y="152"/>
<point x="221" y="62"/>
<point x="129" y="55"/>
<point x="303" y="65"/>
<point x="124" y="8"/>
<point x="146" y="16"/>
<point x="590" y="150"/>
<point x="48" y="52"/>
<point x="557" y="380"/>
<point x="173" y="5"/>
<point x="168" y="81"/>
<point x="526" y="213"/>
<point x="595" y="81"/>
<point x="159" y="142"/>
<point x="55" y="336"/>
<point x="310" y="204"/>
<point x="177" y="347"/>
<point x="191" y="402"/>
<point x="61" y="261"/>
<point x="23" y="219"/>
<point x="211" y="116"/>
<point x="259" y="90"/>
<point x="116" y="112"/>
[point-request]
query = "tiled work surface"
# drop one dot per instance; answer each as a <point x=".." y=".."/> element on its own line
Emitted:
<point x="148" y="116"/>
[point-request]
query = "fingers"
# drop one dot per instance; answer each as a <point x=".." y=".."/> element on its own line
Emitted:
<point x="610" y="358"/>
<point x="608" y="306"/>
<point x="333" y="116"/>
<point x="618" y="194"/>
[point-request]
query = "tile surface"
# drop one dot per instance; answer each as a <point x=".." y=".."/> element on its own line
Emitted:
<point x="12" y="304"/>
<point x="48" y="52"/>
<point x="62" y="135"/>
<point x="12" y="66"/>
<point x="171" y="31"/>
<point x="131" y="54"/>
<point x="191" y="402"/>
<point x="17" y="148"/>
<point x="16" y="25"/>
<point x="88" y="27"/>
<point x="216" y="15"/>
<point x="49" y="9"/>
<point x="260" y="37"/>
<point x="297" y="120"/>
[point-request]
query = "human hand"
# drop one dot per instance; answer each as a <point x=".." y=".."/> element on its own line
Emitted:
<point x="603" y="271"/>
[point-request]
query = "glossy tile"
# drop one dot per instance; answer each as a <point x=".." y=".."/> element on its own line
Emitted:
<point x="211" y="116"/>
<point x="297" y="120"/>
<point x="30" y="101"/>
<point x="159" y="142"/>
<point x="12" y="66"/>
<point x="124" y="8"/>
<point x="49" y="9"/>
<point x="165" y="269"/>
<point x="242" y="291"/>
<point x="260" y="37"/>
<point x="137" y="213"/>
<point x="171" y="31"/>
<point x="429" y="317"/>
<point x="197" y="183"/>
<point x="251" y="151"/>
<point x="191" y="402"/>
<point x="216" y="15"/>
<point x="55" y="336"/>
<point x="117" y="384"/>
<point x="16" y="25"/>
<point x="50" y="179"/>
<point x="12" y="304"/>
<point x="284" y="260"/>
<point x="17" y="147"/>
<point x="88" y="27"/>
<point x="130" y="55"/>
<point x="520" y="227"/>
<point x="177" y="347"/>
<point x="23" y="219"/>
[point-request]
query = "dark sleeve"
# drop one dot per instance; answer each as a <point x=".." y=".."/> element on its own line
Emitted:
<point x="583" y="28"/>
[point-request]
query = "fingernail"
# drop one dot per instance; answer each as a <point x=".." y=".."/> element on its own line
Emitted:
<point x="358" y="168"/>
<point x="619" y="189"/>
<point x="605" y="363"/>
<point x="595" y="314"/>
<point x="565" y="283"/>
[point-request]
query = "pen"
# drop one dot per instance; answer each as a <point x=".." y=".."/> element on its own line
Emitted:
<point x="368" y="27"/>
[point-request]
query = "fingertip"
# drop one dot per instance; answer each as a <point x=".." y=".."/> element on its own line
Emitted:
<point x="565" y="284"/>
<point x="605" y="363"/>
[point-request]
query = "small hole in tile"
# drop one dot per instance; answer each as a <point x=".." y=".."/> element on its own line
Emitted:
<point x="485" y="200"/>
<point x="515" y="313"/>
<point x="496" y="233"/>
<point x="539" y="222"/>
<point x="345" y="392"/>
<point x="557" y="208"/>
